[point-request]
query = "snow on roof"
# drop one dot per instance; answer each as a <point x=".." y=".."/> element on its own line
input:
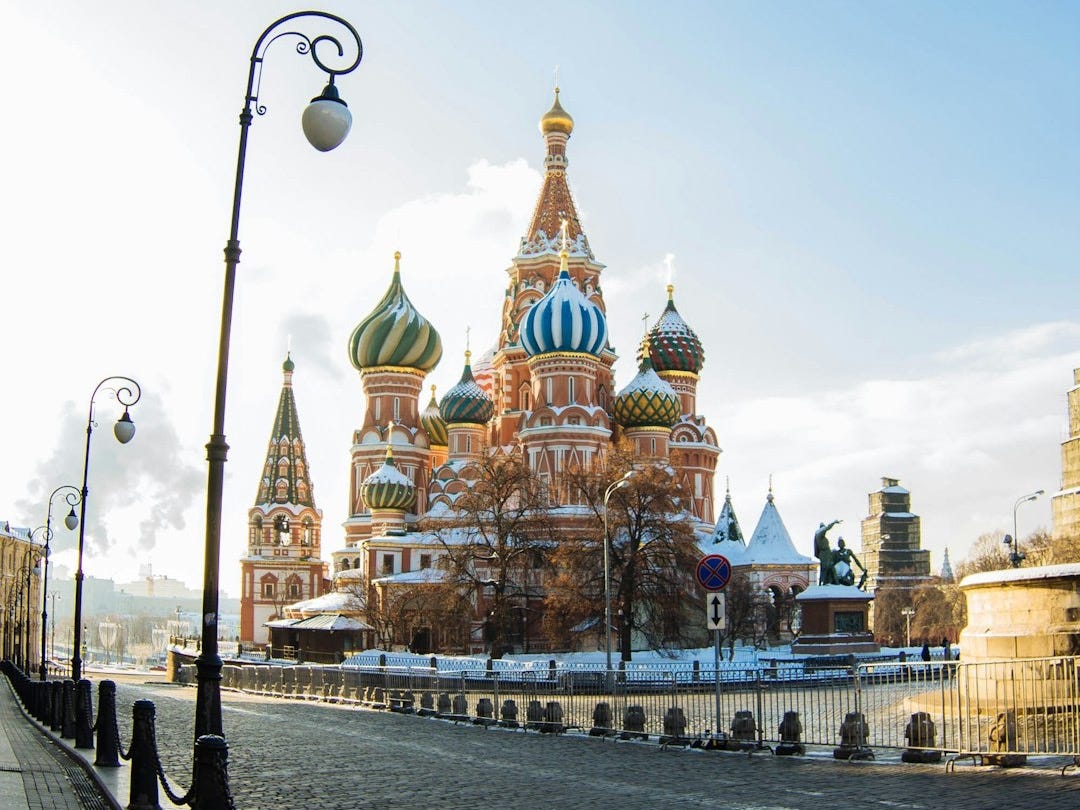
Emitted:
<point x="333" y="602"/>
<point x="771" y="544"/>
<point x="330" y="622"/>
<point x="1071" y="570"/>
<point x="424" y="575"/>
<point x="896" y="490"/>
<point x="900" y="514"/>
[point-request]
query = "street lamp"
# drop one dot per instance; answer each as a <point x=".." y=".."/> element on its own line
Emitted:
<point x="72" y="496"/>
<point x="622" y="482"/>
<point x="326" y="122"/>
<point x="22" y="604"/>
<point x="127" y="394"/>
<point x="1016" y="556"/>
<point x="907" y="613"/>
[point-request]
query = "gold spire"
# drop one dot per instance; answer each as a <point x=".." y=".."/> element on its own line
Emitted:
<point x="670" y="292"/>
<point x="397" y="262"/>
<point x="556" y="119"/>
<point x="390" y="440"/>
<point x="564" y="254"/>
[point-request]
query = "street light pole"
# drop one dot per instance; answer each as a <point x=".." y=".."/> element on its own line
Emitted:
<point x="907" y="613"/>
<point x="1016" y="556"/>
<point x="326" y="122"/>
<point x="72" y="496"/>
<point x="622" y="482"/>
<point x="127" y="394"/>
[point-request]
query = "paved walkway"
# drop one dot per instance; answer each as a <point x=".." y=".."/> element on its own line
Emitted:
<point x="37" y="773"/>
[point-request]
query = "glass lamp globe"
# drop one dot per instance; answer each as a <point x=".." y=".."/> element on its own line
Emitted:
<point x="72" y="520"/>
<point x="124" y="429"/>
<point x="327" y="120"/>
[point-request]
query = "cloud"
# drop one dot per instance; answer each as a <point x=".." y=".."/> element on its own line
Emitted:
<point x="311" y="338"/>
<point x="986" y="415"/>
<point x="147" y="482"/>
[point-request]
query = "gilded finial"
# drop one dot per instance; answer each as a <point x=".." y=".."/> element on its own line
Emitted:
<point x="564" y="228"/>
<point x="670" y="292"/>
<point x="390" y="442"/>
<point x="433" y="390"/>
<point x="397" y="261"/>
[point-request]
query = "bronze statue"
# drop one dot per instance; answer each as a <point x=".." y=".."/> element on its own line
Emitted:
<point x="824" y="554"/>
<point x="843" y="574"/>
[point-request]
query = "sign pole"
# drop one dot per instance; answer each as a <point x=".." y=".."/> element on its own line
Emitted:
<point x="716" y="670"/>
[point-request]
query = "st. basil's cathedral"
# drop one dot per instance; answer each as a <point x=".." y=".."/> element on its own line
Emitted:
<point x="546" y="390"/>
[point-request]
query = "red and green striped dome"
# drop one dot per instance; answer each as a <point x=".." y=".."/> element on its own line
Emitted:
<point x="673" y="345"/>
<point x="395" y="334"/>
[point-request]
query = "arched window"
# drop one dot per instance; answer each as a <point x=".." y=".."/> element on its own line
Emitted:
<point x="397" y="409"/>
<point x="283" y="467"/>
<point x="570" y="400"/>
<point x="345" y="564"/>
<point x="308" y="536"/>
<point x="524" y="397"/>
<point x="294" y="587"/>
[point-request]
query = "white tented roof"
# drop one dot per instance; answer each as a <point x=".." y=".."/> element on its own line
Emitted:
<point x="771" y="544"/>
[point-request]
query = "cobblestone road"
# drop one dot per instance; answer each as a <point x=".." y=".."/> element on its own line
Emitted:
<point x="292" y="754"/>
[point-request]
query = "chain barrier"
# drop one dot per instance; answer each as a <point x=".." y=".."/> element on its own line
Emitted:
<point x="178" y="800"/>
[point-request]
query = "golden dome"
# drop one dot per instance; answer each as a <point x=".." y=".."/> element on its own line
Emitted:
<point x="556" y="119"/>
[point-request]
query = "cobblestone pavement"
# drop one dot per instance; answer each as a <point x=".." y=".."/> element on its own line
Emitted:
<point x="296" y="754"/>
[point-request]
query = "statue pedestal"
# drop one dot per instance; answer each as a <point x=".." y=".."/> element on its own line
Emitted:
<point x="834" y="621"/>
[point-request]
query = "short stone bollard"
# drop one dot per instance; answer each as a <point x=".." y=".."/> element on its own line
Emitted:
<point x="1003" y="739"/>
<point x="57" y="690"/>
<point x="108" y="744"/>
<point x="790" y="735"/>
<point x="485" y="713"/>
<point x="68" y="724"/>
<point x="45" y="711"/>
<point x="553" y="718"/>
<point x="508" y="714"/>
<point x="920" y="732"/>
<point x="427" y="704"/>
<point x="743" y="727"/>
<point x="634" y="724"/>
<point x="674" y="727"/>
<point x="534" y="715"/>
<point x="460" y="705"/>
<point x="854" y="734"/>
<point x="445" y="706"/>
<point x="601" y="719"/>
<point x="143" y="792"/>
<point x="84" y="715"/>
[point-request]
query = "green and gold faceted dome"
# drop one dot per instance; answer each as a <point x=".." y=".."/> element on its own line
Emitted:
<point x="395" y="334"/>
<point x="388" y="487"/>
<point x="432" y="422"/>
<point x="647" y="401"/>
<point x="466" y="401"/>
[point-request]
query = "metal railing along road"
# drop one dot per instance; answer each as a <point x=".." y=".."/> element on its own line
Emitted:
<point x="1027" y="706"/>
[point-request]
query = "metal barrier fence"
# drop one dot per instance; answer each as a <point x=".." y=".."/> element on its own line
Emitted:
<point x="1014" y="707"/>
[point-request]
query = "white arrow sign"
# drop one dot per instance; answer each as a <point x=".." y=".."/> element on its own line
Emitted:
<point x="714" y="611"/>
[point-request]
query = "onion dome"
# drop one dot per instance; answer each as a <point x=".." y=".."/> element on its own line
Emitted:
<point x="647" y="401"/>
<point x="433" y="423"/>
<point x="556" y="119"/>
<point x="673" y="345"/>
<point x="466" y="401"/>
<point x="564" y="320"/>
<point x="388" y="487"/>
<point x="395" y="334"/>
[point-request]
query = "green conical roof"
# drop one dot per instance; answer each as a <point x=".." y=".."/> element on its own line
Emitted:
<point x="286" y="478"/>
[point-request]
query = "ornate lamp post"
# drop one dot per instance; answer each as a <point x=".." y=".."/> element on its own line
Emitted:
<point x="326" y="122"/>
<point x="622" y="482"/>
<point x="30" y="567"/>
<point x="127" y="394"/>
<point x="72" y="496"/>
<point x="1016" y="556"/>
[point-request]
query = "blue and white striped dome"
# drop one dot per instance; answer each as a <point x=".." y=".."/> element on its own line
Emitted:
<point x="564" y="320"/>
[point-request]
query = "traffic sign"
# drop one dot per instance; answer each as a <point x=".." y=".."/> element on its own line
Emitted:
<point x="713" y="572"/>
<point x="715" y="616"/>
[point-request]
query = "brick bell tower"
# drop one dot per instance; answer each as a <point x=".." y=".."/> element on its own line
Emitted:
<point x="282" y="565"/>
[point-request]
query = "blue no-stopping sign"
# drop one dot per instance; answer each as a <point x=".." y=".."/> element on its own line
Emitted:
<point x="713" y="572"/>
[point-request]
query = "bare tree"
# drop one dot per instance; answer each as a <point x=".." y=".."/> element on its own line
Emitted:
<point x="651" y="554"/>
<point x="499" y="532"/>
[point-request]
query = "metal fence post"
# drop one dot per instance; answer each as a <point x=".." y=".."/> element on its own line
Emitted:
<point x="108" y="744"/>
<point x="143" y="792"/>
<point x="211" y="774"/>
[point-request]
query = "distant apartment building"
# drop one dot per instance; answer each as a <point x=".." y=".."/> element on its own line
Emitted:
<point x="1065" y="504"/>
<point x="892" y="540"/>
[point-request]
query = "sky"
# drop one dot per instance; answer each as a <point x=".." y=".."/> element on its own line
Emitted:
<point x="869" y="212"/>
